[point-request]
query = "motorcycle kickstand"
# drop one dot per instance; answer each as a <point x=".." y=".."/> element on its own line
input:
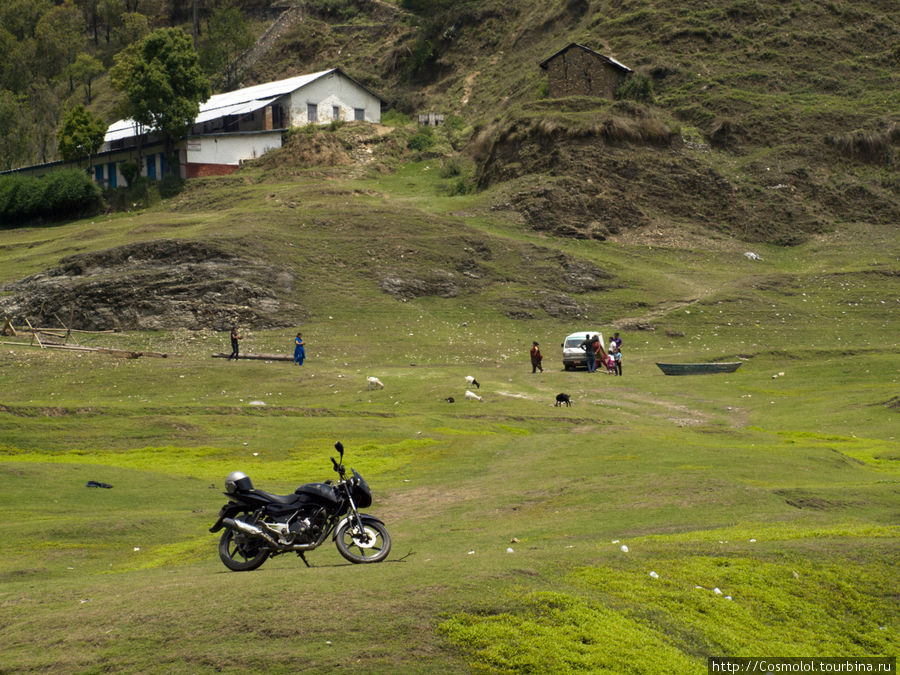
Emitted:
<point x="303" y="558"/>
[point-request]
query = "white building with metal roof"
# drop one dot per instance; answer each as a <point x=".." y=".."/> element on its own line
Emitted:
<point x="240" y="125"/>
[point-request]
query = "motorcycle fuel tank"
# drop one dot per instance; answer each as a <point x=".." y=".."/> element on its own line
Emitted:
<point x="318" y="492"/>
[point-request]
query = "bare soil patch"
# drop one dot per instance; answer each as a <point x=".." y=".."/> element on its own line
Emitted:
<point x="156" y="285"/>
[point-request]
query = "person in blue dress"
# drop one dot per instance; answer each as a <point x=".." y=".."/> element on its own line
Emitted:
<point x="299" y="350"/>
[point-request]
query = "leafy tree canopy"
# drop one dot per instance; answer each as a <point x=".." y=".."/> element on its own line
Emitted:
<point x="13" y="131"/>
<point x="228" y="35"/>
<point x="85" y="70"/>
<point x="81" y="134"/>
<point x="162" y="82"/>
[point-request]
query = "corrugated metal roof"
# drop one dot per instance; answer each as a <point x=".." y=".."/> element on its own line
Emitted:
<point x="233" y="109"/>
<point x="260" y="91"/>
<point x="234" y="102"/>
<point x="119" y="130"/>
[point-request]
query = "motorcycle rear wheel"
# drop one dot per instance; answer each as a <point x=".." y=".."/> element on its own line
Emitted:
<point x="241" y="553"/>
<point x="358" y="549"/>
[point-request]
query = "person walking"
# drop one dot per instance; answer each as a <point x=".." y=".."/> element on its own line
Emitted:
<point x="234" y="343"/>
<point x="299" y="350"/>
<point x="536" y="358"/>
<point x="590" y="355"/>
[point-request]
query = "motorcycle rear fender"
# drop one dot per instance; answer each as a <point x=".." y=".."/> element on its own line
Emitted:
<point x="366" y="518"/>
<point x="230" y="510"/>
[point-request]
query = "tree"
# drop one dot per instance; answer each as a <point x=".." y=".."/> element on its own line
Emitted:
<point x="129" y="29"/>
<point x="45" y="107"/>
<point x="227" y="37"/>
<point x="85" y="70"/>
<point x="60" y="36"/>
<point x="91" y="11"/>
<point x="81" y="134"/>
<point x="15" y="66"/>
<point x="162" y="84"/>
<point x="13" y="131"/>
<point x="20" y="17"/>
<point x="110" y="15"/>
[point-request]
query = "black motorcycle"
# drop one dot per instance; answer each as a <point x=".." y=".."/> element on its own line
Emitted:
<point x="259" y="525"/>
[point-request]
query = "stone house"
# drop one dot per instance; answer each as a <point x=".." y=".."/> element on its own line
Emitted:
<point x="576" y="70"/>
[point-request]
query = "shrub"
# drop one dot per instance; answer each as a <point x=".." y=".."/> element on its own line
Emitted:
<point x="340" y="10"/>
<point x="421" y="140"/>
<point x="170" y="185"/>
<point x="461" y="186"/>
<point x="129" y="171"/>
<point x="868" y="146"/>
<point x="57" y="196"/>
<point x="395" y="118"/>
<point x="636" y="87"/>
<point x="68" y="193"/>
<point x="140" y="194"/>
<point x="450" y="169"/>
<point x="454" y="122"/>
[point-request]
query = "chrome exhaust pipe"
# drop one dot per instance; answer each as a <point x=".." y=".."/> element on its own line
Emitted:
<point x="255" y="531"/>
<point x="252" y="530"/>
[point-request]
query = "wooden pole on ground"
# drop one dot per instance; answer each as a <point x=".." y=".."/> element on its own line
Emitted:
<point x="68" y="332"/>
<point x="100" y="350"/>
<point x="34" y="335"/>
<point x="8" y="328"/>
<point x="257" y="357"/>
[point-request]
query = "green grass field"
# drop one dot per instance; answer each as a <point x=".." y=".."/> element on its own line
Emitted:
<point x="780" y="490"/>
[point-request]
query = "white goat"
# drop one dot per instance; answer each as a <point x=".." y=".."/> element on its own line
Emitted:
<point x="373" y="382"/>
<point x="472" y="396"/>
<point x="470" y="381"/>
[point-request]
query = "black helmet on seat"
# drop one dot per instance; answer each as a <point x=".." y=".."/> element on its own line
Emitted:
<point x="238" y="481"/>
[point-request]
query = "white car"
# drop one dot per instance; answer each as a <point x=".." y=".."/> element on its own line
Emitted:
<point x="573" y="353"/>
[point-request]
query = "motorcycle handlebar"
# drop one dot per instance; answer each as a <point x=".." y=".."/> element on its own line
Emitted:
<point x="338" y="468"/>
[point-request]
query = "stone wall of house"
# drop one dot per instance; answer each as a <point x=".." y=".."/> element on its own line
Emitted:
<point x="578" y="73"/>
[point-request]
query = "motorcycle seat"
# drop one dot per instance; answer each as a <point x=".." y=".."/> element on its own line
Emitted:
<point x="278" y="499"/>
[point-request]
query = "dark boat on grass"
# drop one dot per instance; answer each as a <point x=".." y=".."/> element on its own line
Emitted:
<point x="698" y="368"/>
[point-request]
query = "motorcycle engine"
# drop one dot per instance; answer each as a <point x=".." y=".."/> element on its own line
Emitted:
<point x="304" y="526"/>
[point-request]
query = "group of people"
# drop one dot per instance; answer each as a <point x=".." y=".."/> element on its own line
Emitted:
<point x="594" y="353"/>
<point x="610" y="357"/>
<point x="593" y="349"/>
<point x="299" y="347"/>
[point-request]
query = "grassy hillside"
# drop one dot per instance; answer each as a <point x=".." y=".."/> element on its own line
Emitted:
<point x="779" y="490"/>
<point x="776" y="484"/>
<point x="780" y="121"/>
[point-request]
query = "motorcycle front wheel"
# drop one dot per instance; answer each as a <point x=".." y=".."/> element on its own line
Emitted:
<point x="369" y="547"/>
<point x="241" y="553"/>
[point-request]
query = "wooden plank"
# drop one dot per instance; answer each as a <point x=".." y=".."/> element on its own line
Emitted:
<point x="70" y="330"/>
<point x="126" y="353"/>
<point x="257" y="357"/>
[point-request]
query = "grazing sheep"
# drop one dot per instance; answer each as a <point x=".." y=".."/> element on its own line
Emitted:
<point x="471" y="381"/>
<point x="472" y="396"/>
<point x="373" y="382"/>
<point x="563" y="399"/>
